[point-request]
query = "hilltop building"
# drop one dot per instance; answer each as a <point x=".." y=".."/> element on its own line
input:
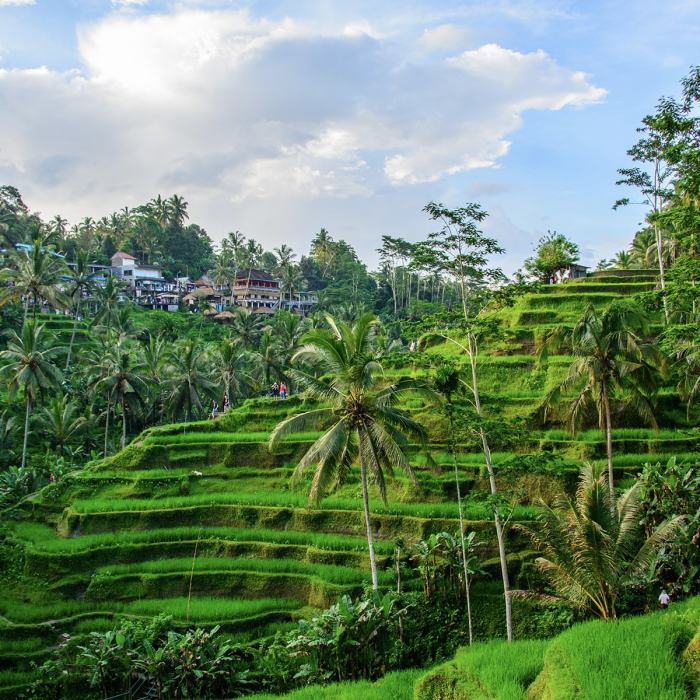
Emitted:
<point x="256" y="290"/>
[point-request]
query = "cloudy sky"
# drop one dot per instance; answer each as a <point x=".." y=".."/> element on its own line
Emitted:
<point x="277" y="118"/>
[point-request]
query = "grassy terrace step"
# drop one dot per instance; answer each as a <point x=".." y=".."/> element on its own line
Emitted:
<point x="202" y="609"/>
<point x="316" y="585"/>
<point x="323" y="520"/>
<point x="287" y="502"/>
<point x="50" y="556"/>
<point x="343" y="575"/>
<point x="621" y="275"/>
<point x="618" y="286"/>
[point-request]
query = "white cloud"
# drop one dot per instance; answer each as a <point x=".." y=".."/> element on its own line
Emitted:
<point x="16" y="3"/>
<point x="445" y="37"/>
<point x="129" y="2"/>
<point x="241" y="113"/>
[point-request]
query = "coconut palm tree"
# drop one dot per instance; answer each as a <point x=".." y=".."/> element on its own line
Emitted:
<point x="190" y="384"/>
<point x="292" y="279"/>
<point x="365" y="424"/>
<point x="446" y="382"/>
<point x="593" y="547"/>
<point x="623" y="260"/>
<point x="120" y="381"/>
<point x="610" y="354"/>
<point x="687" y="356"/>
<point x="151" y="363"/>
<point x="322" y="250"/>
<point x="34" y="275"/>
<point x="60" y="419"/>
<point x="232" y="369"/>
<point x="108" y="299"/>
<point x="177" y="210"/>
<point x="159" y="208"/>
<point x="270" y="357"/>
<point x="285" y="257"/>
<point x="28" y="365"/>
<point x="81" y="284"/>
<point x="246" y="327"/>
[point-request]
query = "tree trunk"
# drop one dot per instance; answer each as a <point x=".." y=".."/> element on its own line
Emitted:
<point x="26" y="311"/>
<point x="368" y="523"/>
<point x="494" y="492"/>
<point x="660" y="256"/>
<point x="608" y="440"/>
<point x="123" y="422"/>
<point x="26" y="430"/>
<point x="461" y="517"/>
<point x="469" y="610"/>
<point x="72" y="335"/>
<point x="109" y="406"/>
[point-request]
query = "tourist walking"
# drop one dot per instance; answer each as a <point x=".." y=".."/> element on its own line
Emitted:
<point x="275" y="390"/>
<point x="226" y="403"/>
<point x="214" y="409"/>
<point x="283" y="390"/>
<point x="664" y="600"/>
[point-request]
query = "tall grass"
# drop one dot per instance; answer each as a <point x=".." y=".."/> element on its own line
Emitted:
<point x="342" y="575"/>
<point x="44" y="539"/>
<point x="397" y="686"/>
<point x="200" y="608"/>
<point x="210" y="609"/>
<point x="190" y="437"/>
<point x="472" y="511"/>
<point x="490" y="670"/>
<point x="634" y="659"/>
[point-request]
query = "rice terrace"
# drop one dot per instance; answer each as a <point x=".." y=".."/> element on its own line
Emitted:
<point x="429" y="466"/>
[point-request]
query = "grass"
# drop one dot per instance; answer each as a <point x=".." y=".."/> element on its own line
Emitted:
<point x="489" y="670"/>
<point x="635" y="659"/>
<point x="472" y="511"/>
<point x="186" y="438"/>
<point x="342" y="575"/>
<point x="201" y="608"/>
<point x="209" y="609"/>
<point x="397" y="685"/>
<point x="44" y="539"/>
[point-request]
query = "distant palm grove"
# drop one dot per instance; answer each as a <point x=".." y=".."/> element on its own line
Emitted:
<point x="409" y="481"/>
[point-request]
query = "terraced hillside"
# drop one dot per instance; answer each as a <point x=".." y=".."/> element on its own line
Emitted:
<point x="202" y="521"/>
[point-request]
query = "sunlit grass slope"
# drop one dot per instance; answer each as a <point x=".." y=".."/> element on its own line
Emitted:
<point x="205" y="507"/>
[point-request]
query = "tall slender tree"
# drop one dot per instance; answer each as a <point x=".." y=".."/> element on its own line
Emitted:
<point x="366" y="424"/>
<point x="34" y="275"/>
<point x="610" y="354"/>
<point x="30" y="368"/>
<point x="121" y="381"/>
<point x="190" y="383"/>
<point x="81" y="284"/>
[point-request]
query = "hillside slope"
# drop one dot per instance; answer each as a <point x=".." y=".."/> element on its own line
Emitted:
<point x="201" y="520"/>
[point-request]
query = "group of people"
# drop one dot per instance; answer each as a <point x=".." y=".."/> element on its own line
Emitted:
<point x="215" y="407"/>
<point x="279" y="391"/>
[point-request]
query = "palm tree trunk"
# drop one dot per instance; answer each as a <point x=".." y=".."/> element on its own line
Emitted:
<point x="461" y="527"/>
<point x="26" y="430"/>
<point x="608" y="440"/>
<point x="494" y="492"/>
<point x="109" y="406"/>
<point x="26" y="310"/>
<point x="72" y="335"/>
<point x="467" y="588"/>
<point x="660" y="256"/>
<point x="368" y="523"/>
<point x="123" y="422"/>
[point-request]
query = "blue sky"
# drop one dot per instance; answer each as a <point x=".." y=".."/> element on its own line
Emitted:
<point x="277" y="118"/>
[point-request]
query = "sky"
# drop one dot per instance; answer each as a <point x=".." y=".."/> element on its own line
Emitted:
<point x="279" y="118"/>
